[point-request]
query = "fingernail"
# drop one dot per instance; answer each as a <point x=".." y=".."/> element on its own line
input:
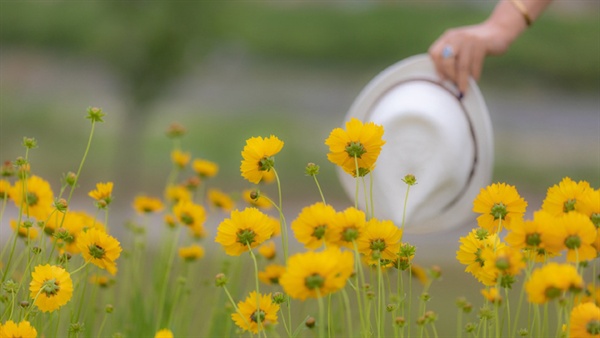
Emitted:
<point x="460" y="95"/>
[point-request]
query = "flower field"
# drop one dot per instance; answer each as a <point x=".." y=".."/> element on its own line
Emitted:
<point x="64" y="273"/>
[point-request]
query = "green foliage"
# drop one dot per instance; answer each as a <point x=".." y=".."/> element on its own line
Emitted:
<point x="151" y="43"/>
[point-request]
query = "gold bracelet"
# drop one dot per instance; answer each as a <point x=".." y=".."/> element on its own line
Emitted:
<point x="521" y="7"/>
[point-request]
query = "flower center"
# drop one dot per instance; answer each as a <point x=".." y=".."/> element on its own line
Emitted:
<point x="573" y="242"/>
<point x="378" y="244"/>
<point x="31" y="199"/>
<point x="499" y="211"/>
<point x="50" y="287"/>
<point x="186" y="218"/>
<point x="96" y="251"/>
<point x="349" y="234"/>
<point x="552" y="292"/>
<point x="314" y="281"/>
<point x="569" y="205"/>
<point x="319" y="231"/>
<point x="355" y="149"/>
<point x="274" y="280"/>
<point x="502" y="263"/>
<point x="266" y="163"/>
<point x="533" y="239"/>
<point x="257" y="316"/>
<point x="595" y="217"/>
<point x="593" y="327"/>
<point x="245" y="237"/>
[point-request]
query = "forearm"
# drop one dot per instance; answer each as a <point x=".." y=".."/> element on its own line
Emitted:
<point x="511" y="18"/>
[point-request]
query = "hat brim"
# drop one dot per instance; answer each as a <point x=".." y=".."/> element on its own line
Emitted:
<point x="421" y="68"/>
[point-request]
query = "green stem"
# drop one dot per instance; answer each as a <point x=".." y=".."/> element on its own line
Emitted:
<point x="348" y="312"/>
<point x="165" y="281"/>
<point x="321" y="314"/>
<point x="319" y="187"/>
<point x="87" y="149"/>
<point x="257" y="284"/>
<point x="236" y="309"/>
<point x="380" y="292"/>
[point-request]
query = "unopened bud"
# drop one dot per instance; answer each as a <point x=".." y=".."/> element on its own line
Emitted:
<point x="95" y="114"/>
<point x="310" y="322"/>
<point x="400" y="321"/>
<point x="311" y="169"/>
<point x="175" y="130"/>
<point x="109" y="308"/>
<point x="24" y="304"/>
<point x="29" y="142"/>
<point x="279" y="298"/>
<point x="61" y="205"/>
<point x="220" y="280"/>
<point x="410" y="179"/>
<point x="71" y="178"/>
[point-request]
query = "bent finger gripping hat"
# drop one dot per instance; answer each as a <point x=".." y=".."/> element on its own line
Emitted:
<point x="430" y="132"/>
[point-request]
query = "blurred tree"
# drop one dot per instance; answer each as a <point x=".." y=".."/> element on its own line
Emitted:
<point x="149" y="44"/>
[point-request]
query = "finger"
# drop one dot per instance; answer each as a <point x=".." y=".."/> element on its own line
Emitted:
<point x="477" y="63"/>
<point x="449" y="63"/>
<point x="463" y="69"/>
<point x="435" y="53"/>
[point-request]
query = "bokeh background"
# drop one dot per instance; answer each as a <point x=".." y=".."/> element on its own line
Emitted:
<point x="229" y="70"/>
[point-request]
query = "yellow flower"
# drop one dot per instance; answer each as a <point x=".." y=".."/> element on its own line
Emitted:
<point x="35" y="195"/>
<point x="575" y="233"/>
<point x="51" y="287"/>
<point x="258" y="157"/>
<point x="191" y="253"/>
<point x="101" y="281"/>
<point x="249" y="227"/>
<point x="313" y="274"/>
<point x="190" y="213"/>
<point x="205" y="168"/>
<point x="590" y="206"/>
<point x="358" y="145"/>
<point x="259" y="202"/>
<point x="180" y="158"/>
<point x="531" y="236"/>
<point x="271" y="274"/>
<point x="470" y="254"/>
<point x="248" y="315"/>
<point x="164" y="333"/>
<point x="585" y="321"/>
<point x="552" y="281"/>
<point x="381" y="240"/>
<point x="146" y="204"/>
<point x="504" y="262"/>
<point x="267" y="250"/>
<point x="177" y="193"/>
<point x="5" y="189"/>
<point x="566" y="196"/>
<point x="497" y="203"/>
<point x="99" y="248"/>
<point x="73" y="224"/>
<point x="170" y="220"/>
<point x="220" y="200"/>
<point x="313" y="227"/>
<point x="492" y="295"/>
<point x="276" y="225"/>
<point x="348" y="226"/>
<point x="25" y="232"/>
<point x="591" y="294"/>
<point x="419" y="273"/>
<point x="11" y="329"/>
<point x="102" y="194"/>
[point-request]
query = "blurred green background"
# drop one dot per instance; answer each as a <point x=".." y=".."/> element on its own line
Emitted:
<point x="230" y="70"/>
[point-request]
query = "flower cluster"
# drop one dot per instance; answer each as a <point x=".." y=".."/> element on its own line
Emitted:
<point x="551" y="249"/>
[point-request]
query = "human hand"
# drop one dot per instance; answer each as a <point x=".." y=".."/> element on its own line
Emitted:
<point x="459" y="53"/>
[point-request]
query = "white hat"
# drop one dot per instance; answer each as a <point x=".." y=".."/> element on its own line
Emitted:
<point x="445" y="141"/>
